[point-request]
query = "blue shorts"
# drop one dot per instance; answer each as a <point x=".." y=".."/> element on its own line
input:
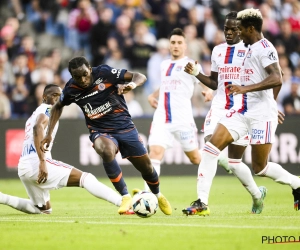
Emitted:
<point x="129" y="143"/>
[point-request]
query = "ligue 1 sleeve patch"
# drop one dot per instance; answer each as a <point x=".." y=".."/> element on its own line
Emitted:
<point x="271" y="55"/>
<point x="48" y="112"/>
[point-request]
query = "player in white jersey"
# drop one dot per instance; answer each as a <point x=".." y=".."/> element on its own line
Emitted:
<point x="260" y="83"/>
<point x="173" y="117"/>
<point x="40" y="173"/>
<point x="226" y="67"/>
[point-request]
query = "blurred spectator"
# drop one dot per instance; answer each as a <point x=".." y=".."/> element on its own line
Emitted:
<point x="36" y="16"/>
<point x="196" y="47"/>
<point x="28" y="48"/>
<point x="291" y="103"/>
<point x="174" y="16"/>
<point x="270" y="26"/>
<point x="116" y="60"/>
<point x="294" y="18"/>
<point x="220" y="8"/>
<point x="209" y="27"/>
<point x="153" y="67"/>
<point x="99" y="36"/>
<point x="9" y="41"/>
<point x="290" y="41"/>
<point x="139" y="53"/>
<point x="20" y="66"/>
<point x="5" y="109"/>
<point x="285" y="87"/>
<point x="43" y="73"/>
<point x="7" y="77"/>
<point x="56" y="60"/>
<point x="122" y="34"/>
<point x="19" y="95"/>
<point x="134" y="108"/>
<point x="80" y="23"/>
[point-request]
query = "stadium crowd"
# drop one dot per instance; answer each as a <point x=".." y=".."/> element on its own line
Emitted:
<point x="38" y="38"/>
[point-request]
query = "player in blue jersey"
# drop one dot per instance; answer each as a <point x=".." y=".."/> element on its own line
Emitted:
<point x="40" y="173"/>
<point x="98" y="91"/>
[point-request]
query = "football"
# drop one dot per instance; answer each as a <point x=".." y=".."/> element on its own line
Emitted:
<point x="144" y="204"/>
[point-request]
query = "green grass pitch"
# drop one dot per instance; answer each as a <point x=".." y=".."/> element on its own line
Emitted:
<point x="80" y="221"/>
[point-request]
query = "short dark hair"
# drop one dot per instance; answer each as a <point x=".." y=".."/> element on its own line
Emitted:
<point x="49" y="86"/>
<point x="231" y="15"/>
<point x="251" y="17"/>
<point x="177" y="32"/>
<point x="76" y="62"/>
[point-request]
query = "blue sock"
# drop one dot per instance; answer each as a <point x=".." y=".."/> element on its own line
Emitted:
<point x="114" y="173"/>
<point x="152" y="181"/>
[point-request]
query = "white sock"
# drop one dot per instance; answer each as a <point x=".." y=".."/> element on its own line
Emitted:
<point x="156" y="164"/>
<point x="207" y="171"/>
<point x="98" y="189"/>
<point x="23" y="205"/>
<point x="243" y="173"/>
<point x="280" y="175"/>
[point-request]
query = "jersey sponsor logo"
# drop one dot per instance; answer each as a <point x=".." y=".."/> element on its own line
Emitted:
<point x="89" y="95"/>
<point x="229" y="73"/>
<point x="47" y="112"/>
<point x="97" y="112"/>
<point x="271" y="56"/>
<point x="258" y="134"/>
<point x="241" y="53"/>
<point x="101" y="86"/>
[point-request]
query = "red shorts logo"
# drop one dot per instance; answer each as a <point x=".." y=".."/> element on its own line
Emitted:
<point x="14" y="142"/>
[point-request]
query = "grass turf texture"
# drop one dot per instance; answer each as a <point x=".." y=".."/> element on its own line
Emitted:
<point x="80" y="221"/>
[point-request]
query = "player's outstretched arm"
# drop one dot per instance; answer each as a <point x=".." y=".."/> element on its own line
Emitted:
<point x="55" y="115"/>
<point x="209" y="81"/>
<point x="38" y="133"/>
<point x="134" y="78"/>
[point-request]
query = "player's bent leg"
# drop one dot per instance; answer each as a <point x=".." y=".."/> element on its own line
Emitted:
<point x="258" y="204"/>
<point x="194" y="156"/>
<point x="23" y="205"/>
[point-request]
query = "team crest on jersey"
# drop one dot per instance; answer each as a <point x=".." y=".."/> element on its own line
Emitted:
<point x="101" y="86"/>
<point x="178" y="68"/>
<point x="241" y="53"/>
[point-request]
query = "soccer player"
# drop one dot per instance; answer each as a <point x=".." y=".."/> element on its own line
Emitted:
<point x="40" y="173"/>
<point x="173" y="117"/>
<point x="98" y="91"/>
<point x="226" y="63"/>
<point x="260" y="79"/>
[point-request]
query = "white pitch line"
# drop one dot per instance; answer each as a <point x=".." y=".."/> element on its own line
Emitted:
<point x="153" y="224"/>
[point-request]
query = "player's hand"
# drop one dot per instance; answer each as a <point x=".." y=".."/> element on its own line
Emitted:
<point x="124" y="88"/>
<point x="45" y="143"/>
<point x="280" y="117"/>
<point x="208" y="95"/>
<point x="192" y="69"/>
<point x="236" y="89"/>
<point x="43" y="172"/>
<point x="152" y="101"/>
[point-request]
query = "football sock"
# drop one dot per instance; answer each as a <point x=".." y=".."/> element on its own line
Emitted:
<point x="243" y="173"/>
<point x="156" y="164"/>
<point x="114" y="173"/>
<point x="98" y="189"/>
<point x="23" y="205"/>
<point x="280" y="175"/>
<point x="206" y="171"/>
<point x="153" y="181"/>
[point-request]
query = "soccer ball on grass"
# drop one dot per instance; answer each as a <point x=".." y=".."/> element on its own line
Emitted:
<point x="144" y="204"/>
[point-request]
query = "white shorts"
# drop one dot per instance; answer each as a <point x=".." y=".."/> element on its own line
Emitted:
<point x="212" y="119"/>
<point x="261" y="132"/>
<point x="58" y="176"/>
<point x="164" y="134"/>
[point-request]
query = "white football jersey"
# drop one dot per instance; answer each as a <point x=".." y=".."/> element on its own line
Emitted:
<point x="259" y="105"/>
<point x="227" y="60"/>
<point x="176" y="90"/>
<point x="29" y="150"/>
